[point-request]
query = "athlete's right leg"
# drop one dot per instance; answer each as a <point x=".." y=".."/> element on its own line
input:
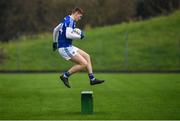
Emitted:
<point x="86" y="56"/>
<point x="88" y="59"/>
<point x="80" y="61"/>
<point x="83" y="63"/>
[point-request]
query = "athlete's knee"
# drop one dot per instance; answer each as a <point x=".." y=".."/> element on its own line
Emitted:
<point x="84" y="64"/>
<point x="88" y="57"/>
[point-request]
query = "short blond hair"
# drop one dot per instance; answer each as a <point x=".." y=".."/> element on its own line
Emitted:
<point x="79" y="10"/>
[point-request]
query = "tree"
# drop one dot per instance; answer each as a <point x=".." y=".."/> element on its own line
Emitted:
<point x="149" y="8"/>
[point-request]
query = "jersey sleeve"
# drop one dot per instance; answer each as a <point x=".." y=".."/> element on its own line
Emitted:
<point x="69" y="23"/>
<point x="56" y="33"/>
<point x="70" y="34"/>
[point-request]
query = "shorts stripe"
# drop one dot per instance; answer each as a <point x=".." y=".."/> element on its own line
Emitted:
<point x="67" y="52"/>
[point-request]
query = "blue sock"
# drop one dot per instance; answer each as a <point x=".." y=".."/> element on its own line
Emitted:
<point x="66" y="74"/>
<point x="91" y="77"/>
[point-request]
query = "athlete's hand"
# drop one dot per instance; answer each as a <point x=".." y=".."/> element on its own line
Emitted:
<point x="55" y="46"/>
<point x="82" y="35"/>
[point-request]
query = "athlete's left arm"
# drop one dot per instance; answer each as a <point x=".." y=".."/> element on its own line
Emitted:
<point x="56" y="33"/>
<point x="55" y="37"/>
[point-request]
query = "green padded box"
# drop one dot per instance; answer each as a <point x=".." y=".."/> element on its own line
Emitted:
<point x="87" y="102"/>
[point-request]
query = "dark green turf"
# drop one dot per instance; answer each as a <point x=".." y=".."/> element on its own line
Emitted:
<point x="123" y="96"/>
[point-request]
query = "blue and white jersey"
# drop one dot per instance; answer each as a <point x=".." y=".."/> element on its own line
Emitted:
<point x="63" y="41"/>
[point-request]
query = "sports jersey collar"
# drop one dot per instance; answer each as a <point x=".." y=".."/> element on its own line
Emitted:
<point x="71" y="17"/>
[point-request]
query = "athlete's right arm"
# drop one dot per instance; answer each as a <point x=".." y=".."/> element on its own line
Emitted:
<point x="70" y="34"/>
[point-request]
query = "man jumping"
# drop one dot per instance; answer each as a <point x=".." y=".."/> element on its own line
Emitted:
<point x="63" y="35"/>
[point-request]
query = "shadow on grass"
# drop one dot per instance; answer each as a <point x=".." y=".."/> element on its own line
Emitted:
<point x="79" y="113"/>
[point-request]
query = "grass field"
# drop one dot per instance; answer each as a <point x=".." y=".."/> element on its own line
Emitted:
<point x="123" y="96"/>
<point x="152" y="45"/>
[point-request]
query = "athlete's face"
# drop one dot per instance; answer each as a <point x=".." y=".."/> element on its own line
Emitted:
<point x="77" y="16"/>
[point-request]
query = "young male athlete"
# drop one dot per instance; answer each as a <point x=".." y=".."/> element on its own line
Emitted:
<point x="63" y="35"/>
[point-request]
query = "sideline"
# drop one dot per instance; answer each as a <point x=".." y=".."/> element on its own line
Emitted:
<point x="96" y="71"/>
